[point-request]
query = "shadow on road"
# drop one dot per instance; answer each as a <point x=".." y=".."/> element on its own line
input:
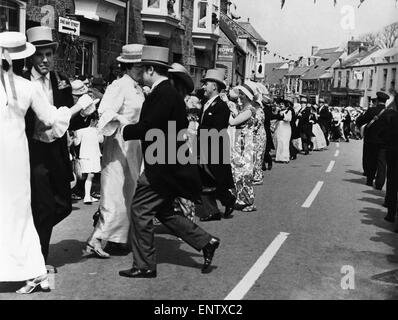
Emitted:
<point x="359" y="181"/>
<point x="9" y="287"/>
<point x="355" y="172"/>
<point x="169" y="251"/>
<point x="378" y="201"/>
<point x="66" y="252"/>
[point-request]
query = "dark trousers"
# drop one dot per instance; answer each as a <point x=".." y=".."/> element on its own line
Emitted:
<point x="377" y="166"/>
<point x="392" y="182"/>
<point x="326" y="132"/>
<point x="347" y="131"/>
<point x="147" y="204"/>
<point x="293" y="151"/>
<point x="267" y="159"/>
<point x="51" y="203"/>
<point x="306" y="141"/>
<point x="365" y="157"/>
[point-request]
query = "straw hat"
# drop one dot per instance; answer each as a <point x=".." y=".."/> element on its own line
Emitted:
<point x="179" y="71"/>
<point x="248" y="92"/>
<point x="216" y="75"/>
<point x="16" y="46"/>
<point x="155" y="56"/>
<point x="131" y="53"/>
<point x="78" y="88"/>
<point x="41" y="37"/>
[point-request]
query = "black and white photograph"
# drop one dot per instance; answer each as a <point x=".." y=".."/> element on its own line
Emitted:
<point x="199" y="154"/>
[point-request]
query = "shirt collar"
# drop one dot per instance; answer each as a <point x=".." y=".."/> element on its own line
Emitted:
<point x="210" y="101"/>
<point x="159" y="81"/>
<point x="36" y="75"/>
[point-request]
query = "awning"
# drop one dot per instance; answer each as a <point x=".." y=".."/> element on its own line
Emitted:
<point x="99" y="10"/>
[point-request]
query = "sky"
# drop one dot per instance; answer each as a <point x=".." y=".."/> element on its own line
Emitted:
<point x="302" y="24"/>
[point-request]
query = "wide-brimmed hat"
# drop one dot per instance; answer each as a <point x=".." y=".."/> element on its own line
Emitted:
<point x="216" y="75"/>
<point x="131" y="53"/>
<point x="16" y="45"/>
<point x="155" y="56"/>
<point x="41" y="37"/>
<point x="248" y="92"/>
<point x="78" y="88"/>
<point x="179" y="71"/>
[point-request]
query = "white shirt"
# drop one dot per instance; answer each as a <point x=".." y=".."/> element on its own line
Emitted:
<point x="44" y="82"/>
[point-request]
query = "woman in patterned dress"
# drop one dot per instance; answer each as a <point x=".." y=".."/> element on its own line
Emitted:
<point x="243" y="150"/>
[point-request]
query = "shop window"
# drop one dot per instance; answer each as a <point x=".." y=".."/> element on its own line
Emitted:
<point x="12" y="15"/>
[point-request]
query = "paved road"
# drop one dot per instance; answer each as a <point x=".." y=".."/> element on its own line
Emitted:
<point x="282" y="251"/>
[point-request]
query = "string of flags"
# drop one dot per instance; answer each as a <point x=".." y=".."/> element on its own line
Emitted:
<point x="334" y="2"/>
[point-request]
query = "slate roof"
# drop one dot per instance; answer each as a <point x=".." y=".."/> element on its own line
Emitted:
<point x="253" y="32"/>
<point x="297" y="72"/>
<point x="273" y="74"/>
<point x="322" y="68"/>
<point x="231" y="35"/>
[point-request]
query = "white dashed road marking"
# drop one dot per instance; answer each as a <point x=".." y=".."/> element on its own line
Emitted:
<point x="330" y="167"/>
<point x="312" y="195"/>
<point x="336" y="154"/>
<point x="243" y="287"/>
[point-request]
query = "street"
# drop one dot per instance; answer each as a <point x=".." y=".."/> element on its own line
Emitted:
<point x="315" y="219"/>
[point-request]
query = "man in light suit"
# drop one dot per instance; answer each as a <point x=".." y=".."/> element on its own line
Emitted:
<point x="161" y="183"/>
<point x="215" y="116"/>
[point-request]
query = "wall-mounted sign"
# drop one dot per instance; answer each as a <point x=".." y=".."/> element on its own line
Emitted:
<point x="225" y="52"/>
<point x="69" y="26"/>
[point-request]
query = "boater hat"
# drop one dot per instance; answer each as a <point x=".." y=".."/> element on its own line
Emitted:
<point x="216" y="75"/>
<point x="182" y="73"/>
<point x="14" y="43"/>
<point x="155" y="56"/>
<point x="131" y="53"/>
<point x="248" y="92"/>
<point x="41" y="37"/>
<point x="78" y="88"/>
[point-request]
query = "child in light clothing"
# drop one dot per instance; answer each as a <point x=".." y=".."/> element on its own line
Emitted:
<point x="90" y="154"/>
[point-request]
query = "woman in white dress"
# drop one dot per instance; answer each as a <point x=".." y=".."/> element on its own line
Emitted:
<point x="121" y="160"/>
<point x="20" y="253"/>
<point x="318" y="139"/>
<point x="282" y="135"/>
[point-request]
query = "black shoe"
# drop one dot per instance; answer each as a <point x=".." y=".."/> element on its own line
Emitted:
<point x="118" y="249"/>
<point x="76" y="197"/>
<point x="208" y="254"/>
<point x="138" y="273"/>
<point x="378" y="187"/>
<point x="369" y="183"/>
<point x="389" y="218"/>
<point x="385" y="205"/>
<point x="270" y="166"/>
<point x="212" y="217"/>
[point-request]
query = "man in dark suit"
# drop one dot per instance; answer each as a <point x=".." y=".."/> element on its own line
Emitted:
<point x="163" y="180"/>
<point x="51" y="170"/>
<point x="325" y="119"/>
<point x="374" y="152"/>
<point x="215" y="116"/>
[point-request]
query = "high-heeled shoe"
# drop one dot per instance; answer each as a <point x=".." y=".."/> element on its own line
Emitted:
<point x="30" y="286"/>
<point x="98" y="251"/>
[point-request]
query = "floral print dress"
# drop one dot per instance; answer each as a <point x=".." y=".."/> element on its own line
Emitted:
<point x="260" y="140"/>
<point x="243" y="162"/>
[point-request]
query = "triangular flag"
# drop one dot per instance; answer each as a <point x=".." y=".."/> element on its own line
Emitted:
<point x="335" y="2"/>
<point x="282" y="3"/>
<point x="360" y="2"/>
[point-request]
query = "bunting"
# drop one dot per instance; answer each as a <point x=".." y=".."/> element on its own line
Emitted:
<point x="334" y="2"/>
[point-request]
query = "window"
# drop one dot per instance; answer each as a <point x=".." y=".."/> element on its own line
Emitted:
<point x="371" y="79"/>
<point x="339" y="80"/>
<point x="206" y="16"/>
<point x="12" y="15"/>
<point x="394" y="75"/>
<point x="87" y="57"/>
<point x="154" y="4"/>
<point x="347" y="80"/>
<point x="385" y="73"/>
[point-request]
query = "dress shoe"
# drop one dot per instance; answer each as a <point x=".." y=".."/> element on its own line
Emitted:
<point x="208" y="254"/>
<point x="118" y="249"/>
<point x="228" y="211"/>
<point x="212" y="217"/>
<point x="379" y="188"/>
<point x="369" y="183"/>
<point x="138" y="273"/>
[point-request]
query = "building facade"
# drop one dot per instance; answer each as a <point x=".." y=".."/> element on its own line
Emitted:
<point x="363" y="74"/>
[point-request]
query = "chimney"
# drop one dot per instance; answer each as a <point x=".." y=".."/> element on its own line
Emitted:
<point x="314" y="49"/>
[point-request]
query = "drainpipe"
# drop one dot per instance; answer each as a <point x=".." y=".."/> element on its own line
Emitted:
<point x="127" y="20"/>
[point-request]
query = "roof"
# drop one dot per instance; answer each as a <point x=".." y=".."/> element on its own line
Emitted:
<point x="356" y="57"/>
<point x="321" y="52"/>
<point x="379" y="56"/>
<point x="231" y="35"/>
<point x="253" y="32"/>
<point x="299" y="71"/>
<point x="272" y="72"/>
<point x="322" y="68"/>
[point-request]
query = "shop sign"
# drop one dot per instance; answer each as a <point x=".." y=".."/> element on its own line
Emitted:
<point x="69" y="26"/>
<point x="225" y="52"/>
